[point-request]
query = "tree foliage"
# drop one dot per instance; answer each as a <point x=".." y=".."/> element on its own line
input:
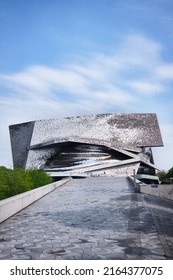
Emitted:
<point x="165" y="176"/>
<point x="17" y="181"/>
<point x="161" y="175"/>
<point x="170" y="173"/>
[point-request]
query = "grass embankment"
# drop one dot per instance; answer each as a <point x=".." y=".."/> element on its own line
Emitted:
<point x="17" y="181"/>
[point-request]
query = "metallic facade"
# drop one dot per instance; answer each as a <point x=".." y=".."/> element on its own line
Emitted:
<point x="94" y="145"/>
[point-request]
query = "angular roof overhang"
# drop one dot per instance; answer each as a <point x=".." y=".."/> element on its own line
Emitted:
<point x="133" y="130"/>
<point x="124" y="133"/>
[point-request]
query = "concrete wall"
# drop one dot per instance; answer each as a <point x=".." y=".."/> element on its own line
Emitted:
<point x="136" y="183"/>
<point x="14" y="204"/>
<point x="164" y="191"/>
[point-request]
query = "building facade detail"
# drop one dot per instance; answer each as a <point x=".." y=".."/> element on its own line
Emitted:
<point x="95" y="145"/>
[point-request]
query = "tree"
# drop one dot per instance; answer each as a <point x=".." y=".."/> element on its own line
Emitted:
<point x="162" y="175"/>
<point x="170" y="173"/>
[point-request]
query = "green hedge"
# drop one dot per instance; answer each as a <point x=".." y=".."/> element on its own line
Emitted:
<point x="17" y="181"/>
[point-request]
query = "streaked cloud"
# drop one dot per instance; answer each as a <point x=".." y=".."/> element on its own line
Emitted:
<point x="102" y="75"/>
<point x="116" y="81"/>
<point x="147" y="88"/>
<point x="165" y="71"/>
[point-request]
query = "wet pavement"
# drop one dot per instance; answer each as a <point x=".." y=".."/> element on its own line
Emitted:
<point x="92" y="218"/>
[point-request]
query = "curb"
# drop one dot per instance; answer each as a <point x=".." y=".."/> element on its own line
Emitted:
<point x="14" y="204"/>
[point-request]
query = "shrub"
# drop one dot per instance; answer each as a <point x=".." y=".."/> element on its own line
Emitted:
<point x="4" y="182"/>
<point x="39" y="177"/>
<point x="21" y="181"/>
<point x="17" y="181"/>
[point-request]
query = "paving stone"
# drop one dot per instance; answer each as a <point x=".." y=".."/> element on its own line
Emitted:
<point x="25" y="257"/>
<point x="95" y="218"/>
<point x="5" y="257"/>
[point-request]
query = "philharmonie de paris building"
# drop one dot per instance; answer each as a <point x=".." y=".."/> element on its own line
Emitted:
<point x="94" y="145"/>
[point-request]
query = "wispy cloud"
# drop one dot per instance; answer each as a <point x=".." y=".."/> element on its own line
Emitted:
<point x="118" y="81"/>
<point x="136" y="55"/>
<point x="147" y="88"/>
<point x="165" y="71"/>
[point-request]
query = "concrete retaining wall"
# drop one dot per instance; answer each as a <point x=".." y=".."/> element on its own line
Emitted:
<point x="164" y="191"/>
<point x="14" y="204"/>
<point x="136" y="183"/>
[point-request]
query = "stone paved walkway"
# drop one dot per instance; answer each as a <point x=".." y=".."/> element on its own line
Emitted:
<point x="93" y="218"/>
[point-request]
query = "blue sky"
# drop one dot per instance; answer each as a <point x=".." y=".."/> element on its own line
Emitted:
<point x="62" y="58"/>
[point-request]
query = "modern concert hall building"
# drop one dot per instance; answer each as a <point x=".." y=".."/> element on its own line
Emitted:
<point x="93" y="145"/>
